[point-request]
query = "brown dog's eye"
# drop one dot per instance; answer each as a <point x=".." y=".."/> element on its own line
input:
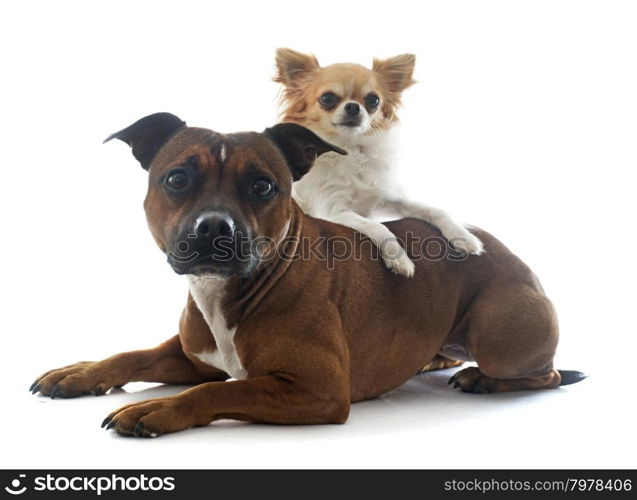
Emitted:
<point x="328" y="100"/>
<point x="177" y="179"/>
<point x="263" y="188"/>
<point x="371" y="102"/>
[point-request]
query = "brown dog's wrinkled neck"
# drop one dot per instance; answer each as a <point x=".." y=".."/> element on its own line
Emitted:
<point x="256" y="286"/>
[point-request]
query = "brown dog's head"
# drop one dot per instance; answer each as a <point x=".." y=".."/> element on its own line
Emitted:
<point x="211" y="196"/>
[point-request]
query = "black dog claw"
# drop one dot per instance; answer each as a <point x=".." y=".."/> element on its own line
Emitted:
<point x="111" y="424"/>
<point x="139" y="428"/>
<point x="35" y="389"/>
<point x="106" y="421"/>
<point x="55" y="392"/>
<point x="33" y="386"/>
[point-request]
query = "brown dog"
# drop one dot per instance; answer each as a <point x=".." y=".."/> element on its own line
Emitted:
<point x="303" y="334"/>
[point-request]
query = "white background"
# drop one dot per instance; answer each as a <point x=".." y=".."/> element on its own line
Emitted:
<point x="523" y="122"/>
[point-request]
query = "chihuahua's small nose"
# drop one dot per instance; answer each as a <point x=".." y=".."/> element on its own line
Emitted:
<point x="213" y="225"/>
<point x="352" y="109"/>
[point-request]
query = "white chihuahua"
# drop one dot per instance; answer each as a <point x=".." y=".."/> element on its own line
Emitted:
<point x="355" y="108"/>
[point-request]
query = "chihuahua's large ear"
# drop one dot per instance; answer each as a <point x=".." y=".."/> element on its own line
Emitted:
<point x="396" y="72"/>
<point x="147" y="135"/>
<point x="300" y="146"/>
<point x="293" y="66"/>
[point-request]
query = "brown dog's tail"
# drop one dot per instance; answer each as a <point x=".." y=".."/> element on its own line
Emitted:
<point x="571" y="377"/>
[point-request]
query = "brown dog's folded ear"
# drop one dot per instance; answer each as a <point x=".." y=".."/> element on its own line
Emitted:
<point x="147" y="135"/>
<point x="300" y="146"/>
<point x="293" y="66"/>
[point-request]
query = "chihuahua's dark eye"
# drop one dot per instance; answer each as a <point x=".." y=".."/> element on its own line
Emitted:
<point x="177" y="179"/>
<point x="263" y="188"/>
<point x="371" y="102"/>
<point x="328" y="100"/>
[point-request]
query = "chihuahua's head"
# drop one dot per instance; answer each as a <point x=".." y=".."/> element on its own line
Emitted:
<point x="342" y="99"/>
<point x="217" y="204"/>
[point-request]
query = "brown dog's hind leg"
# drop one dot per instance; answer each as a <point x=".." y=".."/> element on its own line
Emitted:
<point x="472" y="380"/>
<point x="512" y="334"/>
<point x="440" y="363"/>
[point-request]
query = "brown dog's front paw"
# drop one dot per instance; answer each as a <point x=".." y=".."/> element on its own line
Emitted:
<point x="471" y="380"/>
<point x="74" y="380"/>
<point x="152" y="418"/>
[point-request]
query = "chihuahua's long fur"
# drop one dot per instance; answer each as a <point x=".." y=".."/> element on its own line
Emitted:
<point x="355" y="108"/>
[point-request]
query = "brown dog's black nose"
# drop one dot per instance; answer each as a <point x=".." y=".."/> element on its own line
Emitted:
<point x="352" y="109"/>
<point x="214" y="225"/>
<point x="214" y="243"/>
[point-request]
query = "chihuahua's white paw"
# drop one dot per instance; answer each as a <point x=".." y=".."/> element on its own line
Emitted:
<point x="396" y="258"/>
<point x="465" y="241"/>
<point x="403" y="265"/>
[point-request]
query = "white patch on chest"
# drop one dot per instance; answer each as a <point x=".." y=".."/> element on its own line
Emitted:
<point x="208" y="295"/>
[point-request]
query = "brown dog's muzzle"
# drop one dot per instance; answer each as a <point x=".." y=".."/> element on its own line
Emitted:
<point x="213" y="242"/>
